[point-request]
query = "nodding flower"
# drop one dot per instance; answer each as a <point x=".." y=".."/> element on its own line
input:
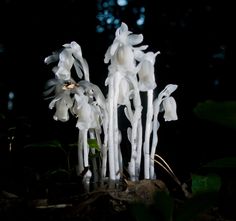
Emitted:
<point x="87" y="113"/>
<point x="69" y="56"/>
<point x="169" y="106"/>
<point x="165" y="102"/>
<point x="63" y="102"/>
<point x="121" y="52"/>
<point x="146" y="71"/>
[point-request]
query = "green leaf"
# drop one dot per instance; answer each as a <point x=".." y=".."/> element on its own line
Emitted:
<point x="205" y="191"/>
<point x="222" y="113"/>
<point x="205" y="184"/>
<point x="93" y="144"/>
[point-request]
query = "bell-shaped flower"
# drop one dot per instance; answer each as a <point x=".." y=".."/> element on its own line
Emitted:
<point x="62" y="103"/>
<point x="121" y="52"/>
<point x="125" y="88"/>
<point x="62" y="73"/>
<point x="146" y="72"/>
<point x="69" y="56"/>
<point x="169" y="106"/>
<point x="164" y="102"/>
<point x="61" y="98"/>
<point x="95" y="92"/>
<point x="80" y="64"/>
<point x="66" y="61"/>
<point x="88" y="116"/>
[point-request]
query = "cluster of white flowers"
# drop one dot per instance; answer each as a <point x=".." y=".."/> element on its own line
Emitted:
<point x="131" y="71"/>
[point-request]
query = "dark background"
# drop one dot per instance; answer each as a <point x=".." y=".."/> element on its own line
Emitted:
<point x="195" y="39"/>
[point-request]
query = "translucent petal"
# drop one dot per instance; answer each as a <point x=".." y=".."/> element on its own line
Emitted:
<point x="142" y="47"/>
<point x="146" y="76"/>
<point x="66" y="45"/>
<point x="169" y="106"/>
<point x="151" y="57"/>
<point x="63" y="74"/>
<point x="125" y="58"/>
<point x="135" y="39"/>
<point x="107" y="57"/>
<point x="87" y="114"/>
<point x="138" y="54"/>
<point x="78" y="69"/>
<point x="97" y="93"/>
<point x="61" y="111"/>
<point x="76" y="50"/>
<point x="66" y="59"/>
<point x="52" y="58"/>
<point x="169" y="89"/>
<point x="53" y="102"/>
<point x="123" y="28"/>
<point x="85" y="69"/>
<point x="114" y="47"/>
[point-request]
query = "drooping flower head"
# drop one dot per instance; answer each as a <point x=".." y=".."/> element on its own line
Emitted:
<point x="69" y="56"/>
<point x="62" y="102"/>
<point x="165" y="102"/>
<point x="146" y="71"/>
<point x="64" y="84"/>
<point x="121" y="52"/>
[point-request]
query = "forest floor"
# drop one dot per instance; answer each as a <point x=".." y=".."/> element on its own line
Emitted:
<point x="139" y="201"/>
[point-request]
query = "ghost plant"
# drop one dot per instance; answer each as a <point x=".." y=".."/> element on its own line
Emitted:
<point x="130" y="72"/>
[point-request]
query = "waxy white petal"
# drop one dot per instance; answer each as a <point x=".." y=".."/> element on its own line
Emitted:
<point x="169" y="106"/>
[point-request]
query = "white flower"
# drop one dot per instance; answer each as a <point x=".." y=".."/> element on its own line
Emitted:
<point x="66" y="61"/>
<point x="63" y="103"/>
<point x="121" y="52"/>
<point x="165" y="102"/>
<point x="69" y="56"/>
<point x="88" y="116"/>
<point x="80" y="64"/>
<point x="169" y="106"/>
<point x="146" y="72"/>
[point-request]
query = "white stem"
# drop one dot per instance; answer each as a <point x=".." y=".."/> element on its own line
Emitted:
<point x="133" y="147"/>
<point x="105" y="143"/>
<point x="139" y="149"/>
<point x="149" y="117"/>
<point x="132" y="166"/>
<point x="134" y="123"/>
<point x="80" y="154"/>
<point x="86" y="148"/>
<point x="110" y="132"/>
<point x="117" y="78"/>
<point x="86" y="180"/>
<point x="120" y="158"/>
<point x="156" y="125"/>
